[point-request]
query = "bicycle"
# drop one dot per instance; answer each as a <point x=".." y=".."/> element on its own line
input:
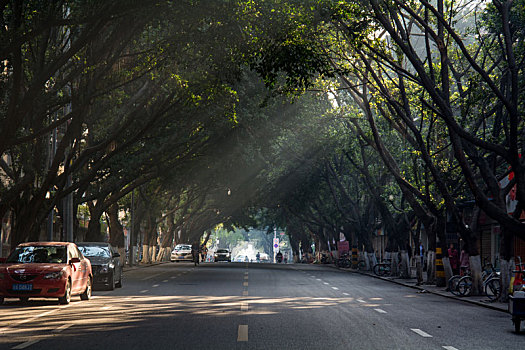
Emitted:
<point x="343" y="261"/>
<point x="453" y="281"/>
<point x="383" y="268"/>
<point x="491" y="284"/>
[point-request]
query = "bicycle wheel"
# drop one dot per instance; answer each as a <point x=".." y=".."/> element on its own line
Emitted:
<point x="493" y="289"/>
<point x="376" y="269"/>
<point x="465" y="286"/>
<point x="453" y="284"/>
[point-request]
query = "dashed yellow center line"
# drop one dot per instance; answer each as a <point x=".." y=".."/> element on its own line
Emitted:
<point x="245" y="293"/>
<point x="245" y="284"/>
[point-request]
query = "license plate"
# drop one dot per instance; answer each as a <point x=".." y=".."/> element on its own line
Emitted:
<point x="21" y="287"/>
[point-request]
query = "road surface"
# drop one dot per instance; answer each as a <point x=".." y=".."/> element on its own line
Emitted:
<point x="254" y="306"/>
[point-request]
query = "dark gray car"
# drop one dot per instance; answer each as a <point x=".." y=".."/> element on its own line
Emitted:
<point x="105" y="262"/>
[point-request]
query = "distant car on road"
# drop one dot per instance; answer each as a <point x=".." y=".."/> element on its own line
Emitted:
<point x="45" y="270"/>
<point x="105" y="262"/>
<point x="181" y="252"/>
<point x="222" y="255"/>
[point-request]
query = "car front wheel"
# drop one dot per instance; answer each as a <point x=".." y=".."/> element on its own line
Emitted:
<point x="87" y="293"/>
<point x="66" y="299"/>
<point x="119" y="283"/>
<point x="111" y="281"/>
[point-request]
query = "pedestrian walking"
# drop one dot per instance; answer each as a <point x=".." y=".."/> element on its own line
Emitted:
<point x="422" y="254"/>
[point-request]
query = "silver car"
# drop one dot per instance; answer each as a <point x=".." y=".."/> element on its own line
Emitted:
<point x="181" y="252"/>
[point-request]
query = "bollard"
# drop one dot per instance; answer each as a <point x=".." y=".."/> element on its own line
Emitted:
<point x="354" y="257"/>
<point x="440" y="269"/>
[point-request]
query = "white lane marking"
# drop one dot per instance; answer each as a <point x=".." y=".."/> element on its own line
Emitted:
<point x="144" y="291"/>
<point x="242" y="332"/>
<point x="361" y="301"/>
<point x="381" y="311"/>
<point x="245" y="277"/>
<point x="245" y="284"/>
<point x="318" y="279"/>
<point x="26" y="344"/>
<point x="155" y="285"/>
<point x="63" y="327"/>
<point x="326" y="283"/>
<point x="421" y="333"/>
<point x="449" y="347"/>
<point x="152" y="276"/>
<point x="335" y="288"/>
<point x="5" y="329"/>
<point x="164" y="281"/>
<point x="346" y="294"/>
<point x="244" y="306"/>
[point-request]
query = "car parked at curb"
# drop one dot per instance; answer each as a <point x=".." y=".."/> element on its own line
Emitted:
<point x="222" y="255"/>
<point x="105" y="262"/>
<point x="45" y="270"/>
<point x="181" y="252"/>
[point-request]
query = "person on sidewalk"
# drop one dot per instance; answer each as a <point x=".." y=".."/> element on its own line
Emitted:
<point x="454" y="259"/>
<point x="422" y="255"/>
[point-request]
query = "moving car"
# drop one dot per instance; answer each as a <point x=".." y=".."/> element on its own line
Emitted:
<point x="105" y="262"/>
<point x="46" y="269"/>
<point x="222" y="255"/>
<point x="181" y="252"/>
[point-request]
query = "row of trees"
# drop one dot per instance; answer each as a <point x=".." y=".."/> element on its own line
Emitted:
<point x="379" y="113"/>
<point x="430" y="96"/>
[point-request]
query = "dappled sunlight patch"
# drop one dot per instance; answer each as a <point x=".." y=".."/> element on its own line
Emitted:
<point x="107" y="313"/>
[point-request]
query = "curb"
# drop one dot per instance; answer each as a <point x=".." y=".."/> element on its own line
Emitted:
<point x="473" y="302"/>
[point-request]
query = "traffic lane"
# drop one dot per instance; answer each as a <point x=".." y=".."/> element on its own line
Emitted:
<point x="303" y="312"/>
<point x="174" y="301"/>
<point x="454" y="322"/>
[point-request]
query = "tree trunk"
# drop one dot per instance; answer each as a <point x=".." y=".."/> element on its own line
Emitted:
<point x="94" y="233"/>
<point x="116" y="231"/>
<point x="475" y="271"/>
<point x="506" y="267"/>
<point x="419" y="271"/>
<point x="448" y="269"/>
<point x="405" y="265"/>
<point x="431" y="267"/>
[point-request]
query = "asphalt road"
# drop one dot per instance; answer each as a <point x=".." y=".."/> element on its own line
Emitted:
<point x="255" y="306"/>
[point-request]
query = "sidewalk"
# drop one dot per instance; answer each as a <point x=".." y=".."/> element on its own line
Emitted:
<point x="441" y="291"/>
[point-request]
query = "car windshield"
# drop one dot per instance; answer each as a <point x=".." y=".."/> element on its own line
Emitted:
<point x="38" y="254"/>
<point x="94" y="251"/>
<point x="222" y="251"/>
<point x="183" y="247"/>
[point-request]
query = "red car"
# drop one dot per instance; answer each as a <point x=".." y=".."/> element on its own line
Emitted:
<point x="46" y="270"/>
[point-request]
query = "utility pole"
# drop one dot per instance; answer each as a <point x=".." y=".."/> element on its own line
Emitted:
<point x="131" y="247"/>
<point x="52" y="151"/>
